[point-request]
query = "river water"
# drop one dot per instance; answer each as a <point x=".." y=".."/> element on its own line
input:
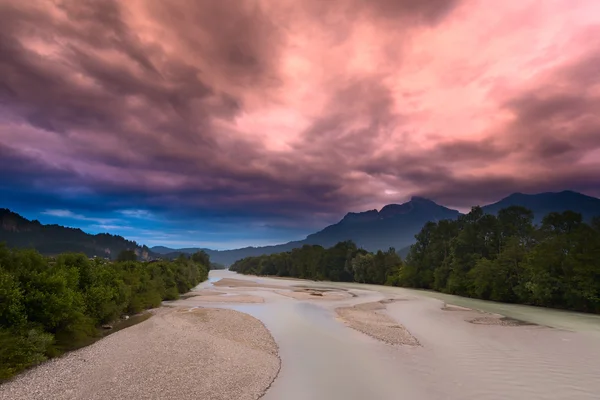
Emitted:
<point x="324" y="359"/>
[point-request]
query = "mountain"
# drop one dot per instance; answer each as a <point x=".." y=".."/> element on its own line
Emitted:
<point x="163" y="250"/>
<point x="167" y="250"/>
<point x="395" y="225"/>
<point x="17" y="231"/>
<point x="228" y="257"/>
<point x="544" y="203"/>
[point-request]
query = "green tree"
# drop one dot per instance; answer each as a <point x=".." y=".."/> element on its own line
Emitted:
<point x="127" y="255"/>
<point x="12" y="311"/>
<point x="201" y="257"/>
<point x="361" y="264"/>
<point x="515" y="221"/>
<point x="19" y="351"/>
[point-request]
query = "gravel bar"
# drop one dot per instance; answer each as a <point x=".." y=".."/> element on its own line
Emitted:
<point x="200" y="353"/>
<point x="369" y="318"/>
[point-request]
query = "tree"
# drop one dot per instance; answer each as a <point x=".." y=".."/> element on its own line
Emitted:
<point x="12" y="311"/>
<point x="420" y="259"/>
<point x="201" y="257"/>
<point x="127" y="255"/>
<point x="361" y="264"/>
<point x="596" y="223"/>
<point x="557" y="223"/>
<point x="48" y="306"/>
<point x="515" y="221"/>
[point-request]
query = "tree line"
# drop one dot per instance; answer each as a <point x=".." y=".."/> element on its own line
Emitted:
<point x="506" y="258"/>
<point x="52" y="305"/>
<point x="503" y="257"/>
<point x="343" y="262"/>
<point x="17" y="231"/>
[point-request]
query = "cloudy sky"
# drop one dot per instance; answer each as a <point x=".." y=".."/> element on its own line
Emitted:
<point x="225" y="123"/>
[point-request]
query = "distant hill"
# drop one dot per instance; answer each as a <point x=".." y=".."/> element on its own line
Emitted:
<point x="227" y="257"/>
<point x="395" y="225"/>
<point x="544" y="203"/>
<point x="167" y="250"/>
<point x="17" y="231"/>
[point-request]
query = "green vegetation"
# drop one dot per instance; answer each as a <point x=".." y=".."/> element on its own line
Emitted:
<point x="506" y="258"/>
<point x="214" y="265"/>
<point x="502" y="258"/>
<point x="342" y="262"/>
<point x="52" y="305"/>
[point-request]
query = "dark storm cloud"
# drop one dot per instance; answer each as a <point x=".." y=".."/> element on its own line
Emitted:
<point x="558" y="117"/>
<point x="22" y="169"/>
<point x="428" y="11"/>
<point x="260" y="109"/>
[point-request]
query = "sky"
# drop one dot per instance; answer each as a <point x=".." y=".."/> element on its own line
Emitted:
<point x="230" y="123"/>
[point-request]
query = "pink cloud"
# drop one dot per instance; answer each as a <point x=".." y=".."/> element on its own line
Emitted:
<point x="305" y="107"/>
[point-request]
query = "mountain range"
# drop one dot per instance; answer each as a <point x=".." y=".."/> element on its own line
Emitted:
<point x="393" y="226"/>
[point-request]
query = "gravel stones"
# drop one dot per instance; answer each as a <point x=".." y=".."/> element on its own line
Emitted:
<point x="210" y="354"/>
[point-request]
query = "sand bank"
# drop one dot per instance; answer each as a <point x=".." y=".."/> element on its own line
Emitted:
<point x="176" y="354"/>
<point x="234" y="283"/>
<point x="368" y="318"/>
<point x="315" y="294"/>
<point x="223" y="298"/>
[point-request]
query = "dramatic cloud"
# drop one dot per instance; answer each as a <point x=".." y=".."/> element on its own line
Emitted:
<point x="257" y="121"/>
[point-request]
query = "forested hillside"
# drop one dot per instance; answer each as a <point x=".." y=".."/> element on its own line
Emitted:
<point x="51" y="305"/>
<point x="19" y="232"/>
<point x="502" y="258"/>
<point x="395" y="225"/>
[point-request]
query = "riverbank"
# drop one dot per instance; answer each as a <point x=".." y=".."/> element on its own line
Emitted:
<point x="179" y="353"/>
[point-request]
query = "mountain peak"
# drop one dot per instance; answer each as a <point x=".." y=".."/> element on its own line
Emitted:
<point x="416" y="204"/>
<point x="417" y="199"/>
<point x="543" y="203"/>
<point x="364" y="216"/>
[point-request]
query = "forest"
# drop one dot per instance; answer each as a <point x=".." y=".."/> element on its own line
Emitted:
<point x="49" y="305"/>
<point x="52" y="240"/>
<point x="503" y="257"/>
<point x="342" y="262"/>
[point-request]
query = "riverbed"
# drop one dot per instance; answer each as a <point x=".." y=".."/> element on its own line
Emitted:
<point x="463" y="353"/>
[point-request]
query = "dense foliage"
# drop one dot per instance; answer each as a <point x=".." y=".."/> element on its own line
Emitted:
<point x="503" y="258"/>
<point x="342" y="262"/>
<point x="214" y="265"/>
<point x="506" y="258"/>
<point x="51" y="305"/>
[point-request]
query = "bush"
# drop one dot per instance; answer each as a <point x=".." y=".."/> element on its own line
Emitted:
<point x="48" y="306"/>
<point x="21" y="350"/>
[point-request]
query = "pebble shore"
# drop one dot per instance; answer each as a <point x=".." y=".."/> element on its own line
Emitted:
<point x="202" y="353"/>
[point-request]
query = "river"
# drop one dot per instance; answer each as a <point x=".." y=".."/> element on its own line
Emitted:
<point x="559" y="358"/>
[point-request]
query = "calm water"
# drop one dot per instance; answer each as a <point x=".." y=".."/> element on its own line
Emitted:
<point x="324" y="359"/>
